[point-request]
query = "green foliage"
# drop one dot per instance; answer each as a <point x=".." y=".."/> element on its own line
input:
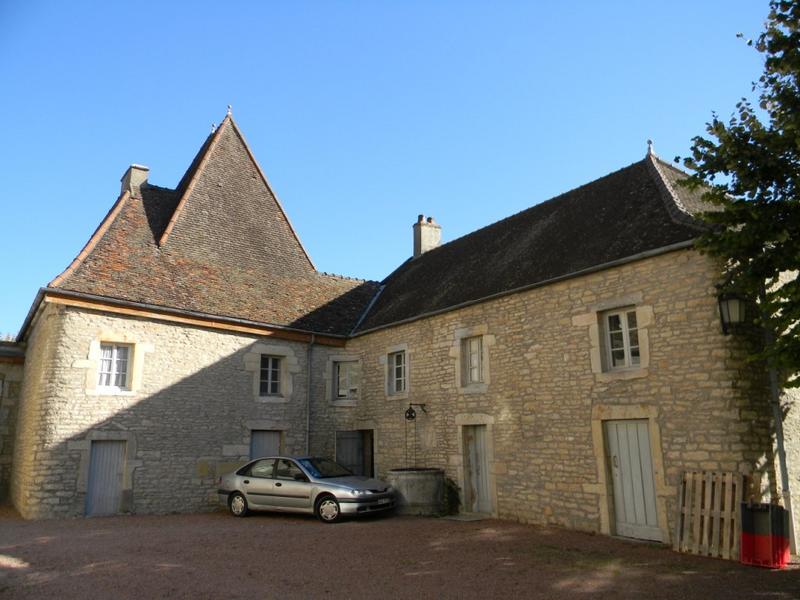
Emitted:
<point x="751" y="169"/>
<point x="452" y="501"/>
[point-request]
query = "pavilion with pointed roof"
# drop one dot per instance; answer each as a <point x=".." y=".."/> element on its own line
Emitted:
<point x="563" y="365"/>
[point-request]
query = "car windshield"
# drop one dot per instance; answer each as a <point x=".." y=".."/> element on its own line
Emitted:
<point x="323" y="468"/>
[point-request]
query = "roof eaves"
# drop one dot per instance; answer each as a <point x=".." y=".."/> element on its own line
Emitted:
<point x="587" y="271"/>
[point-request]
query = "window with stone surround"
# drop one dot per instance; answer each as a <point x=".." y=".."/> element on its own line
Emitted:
<point x="270" y="377"/>
<point x="272" y="367"/>
<point x="618" y="335"/>
<point x="114" y="366"/>
<point x="471" y="350"/>
<point x="346" y="377"/>
<point x="621" y="339"/>
<point x="396" y="376"/>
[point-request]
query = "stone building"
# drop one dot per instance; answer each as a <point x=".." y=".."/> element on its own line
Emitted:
<point x="566" y="363"/>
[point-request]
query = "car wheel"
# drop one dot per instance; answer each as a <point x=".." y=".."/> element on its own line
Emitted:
<point x="328" y="509"/>
<point x="238" y="505"/>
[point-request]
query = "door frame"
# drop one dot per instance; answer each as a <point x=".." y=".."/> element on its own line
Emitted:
<point x="604" y="488"/>
<point x="84" y="446"/>
<point x="470" y="419"/>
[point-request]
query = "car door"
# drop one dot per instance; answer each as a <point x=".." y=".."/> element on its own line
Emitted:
<point x="292" y="489"/>
<point x="259" y="483"/>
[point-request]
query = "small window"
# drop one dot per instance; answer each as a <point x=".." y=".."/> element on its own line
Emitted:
<point x="347" y="376"/>
<point x="472" y="359"/>
<point x="270" y="375"/>
<point x="622" y="339"/>
<point x="397" y="372"/>
<point x="114" y="367"/>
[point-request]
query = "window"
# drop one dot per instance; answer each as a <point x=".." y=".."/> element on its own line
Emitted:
<point x="286" y="469"/>
<point x="270" y="382"/>
<point x="472" y="359"/>
<point x="262" y="468"/>
<point x="346" y="376"/>
<point x="622" y="339"/>
<point x="114" y="366"/>
<point x="397" y="372"/>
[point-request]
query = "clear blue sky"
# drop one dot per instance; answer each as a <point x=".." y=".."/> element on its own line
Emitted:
<point x="362" y="114"/>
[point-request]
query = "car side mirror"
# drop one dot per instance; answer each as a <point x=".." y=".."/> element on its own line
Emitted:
<point x="300" y="477"/>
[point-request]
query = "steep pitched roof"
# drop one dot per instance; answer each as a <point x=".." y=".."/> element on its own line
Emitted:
<point x="219" y="244"/>
<point x="632" y="211"/>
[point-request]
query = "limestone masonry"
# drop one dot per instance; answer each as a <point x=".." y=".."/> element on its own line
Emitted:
<point x="566" y="364"/>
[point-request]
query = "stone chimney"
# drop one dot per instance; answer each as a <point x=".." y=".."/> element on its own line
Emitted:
<point x="427" y="235"/>
<point x="134" y="178"/>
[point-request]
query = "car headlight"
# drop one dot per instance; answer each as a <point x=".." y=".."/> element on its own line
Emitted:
<point x="360" y="492"/>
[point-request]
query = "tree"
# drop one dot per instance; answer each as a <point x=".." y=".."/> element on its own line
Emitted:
<point x="750" y="168"/>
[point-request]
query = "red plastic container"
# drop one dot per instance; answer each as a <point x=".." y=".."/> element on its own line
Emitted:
<point x="765" y="536"/>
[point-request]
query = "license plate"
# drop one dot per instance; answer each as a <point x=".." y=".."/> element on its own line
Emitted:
<point x="383" y="501"/>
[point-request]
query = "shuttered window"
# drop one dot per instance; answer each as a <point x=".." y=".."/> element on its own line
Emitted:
<point x="347" y="375"/>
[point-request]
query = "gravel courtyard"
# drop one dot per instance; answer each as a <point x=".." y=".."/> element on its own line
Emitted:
<point x="277" y="556"/>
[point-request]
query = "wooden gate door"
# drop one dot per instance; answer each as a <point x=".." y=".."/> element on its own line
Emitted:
<point x="354" y="450"/>
<point x="106" y="466"/>
<point x="264" y="442"/>
<point x="631" y="463"/>
<point x="476" y="470"/>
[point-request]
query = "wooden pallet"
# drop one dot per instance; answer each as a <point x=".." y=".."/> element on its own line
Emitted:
<point x="707" y="514"/>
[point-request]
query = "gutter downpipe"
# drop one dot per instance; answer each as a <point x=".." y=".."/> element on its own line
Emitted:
<point x="309" y="354"/>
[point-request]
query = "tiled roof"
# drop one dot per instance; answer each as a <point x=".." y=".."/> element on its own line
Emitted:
<point x="626" y="213"/>
<point x="229" y="250"/>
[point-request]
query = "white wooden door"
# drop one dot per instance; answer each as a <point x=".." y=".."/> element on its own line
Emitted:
<point x="264" y="442"/>
<point x="630" y="459"/>
<point x="106" y="466"/>
<point x="476" y="470"/>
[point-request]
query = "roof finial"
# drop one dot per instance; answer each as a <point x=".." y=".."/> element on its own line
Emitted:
<point x="230" y="110"/>
<point x="650" y="148"/>
<point x="213" y="127"/>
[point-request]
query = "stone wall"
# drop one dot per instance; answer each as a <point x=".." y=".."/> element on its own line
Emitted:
<point x="10" y="388"/>
<point x="187" y="419"/>
<point x="547" y="394"/>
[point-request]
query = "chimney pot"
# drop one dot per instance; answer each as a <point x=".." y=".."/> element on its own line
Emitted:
<point x="133" y="179"/>
<point x="427" y="235"/>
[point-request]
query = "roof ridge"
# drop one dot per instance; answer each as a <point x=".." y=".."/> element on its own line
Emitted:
<point x="96" y="236"/>
<point x="269" y="187"/>
<point x="533" y="206"/>
<point x="205" y="152"/>
<point x="344" y="277"/>
<point x="675" y="207"/>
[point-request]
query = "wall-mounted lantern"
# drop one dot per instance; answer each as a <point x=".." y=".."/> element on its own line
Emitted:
<point x="731" y="311"/>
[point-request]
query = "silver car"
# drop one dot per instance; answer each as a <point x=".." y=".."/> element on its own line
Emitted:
<point x="302" y="484"/>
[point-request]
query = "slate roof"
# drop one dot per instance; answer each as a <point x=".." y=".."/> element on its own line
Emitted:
<point x="219" y="244"/>
<point x="631" y="211"/>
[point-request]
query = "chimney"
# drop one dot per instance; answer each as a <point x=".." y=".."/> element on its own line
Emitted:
<point x="135" y="177"/>
<point x="427" y="235"/>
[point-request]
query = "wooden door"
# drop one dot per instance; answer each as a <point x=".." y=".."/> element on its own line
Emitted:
<point x="354" y="451"/>
<point x="264" y="443"/>
<point x="476" y="470"/>
<point x="631" y="464"/>
<point x="106" y="468"/>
